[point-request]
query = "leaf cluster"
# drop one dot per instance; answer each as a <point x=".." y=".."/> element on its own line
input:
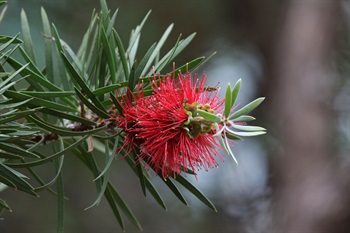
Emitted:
<point x="67" y="100"/>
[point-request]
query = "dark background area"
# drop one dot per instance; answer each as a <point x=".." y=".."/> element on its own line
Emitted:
<point x="294" y="179"/>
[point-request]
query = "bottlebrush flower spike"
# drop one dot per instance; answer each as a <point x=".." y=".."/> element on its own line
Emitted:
<point x="177" y="127"/>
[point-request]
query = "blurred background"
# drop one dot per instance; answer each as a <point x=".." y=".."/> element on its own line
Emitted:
<point x="294" y="179"/>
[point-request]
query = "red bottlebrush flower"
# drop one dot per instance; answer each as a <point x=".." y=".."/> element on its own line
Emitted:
<point x="171" y="136"/>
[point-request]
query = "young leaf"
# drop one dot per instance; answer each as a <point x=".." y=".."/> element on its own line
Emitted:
<point x="235" y="92"/>
<point x="247" y="127"/>
<point x="246" y="134"/>
<point x="246" y="109"/>
<point x="228" y="101"/>
<point x="244" y="118"/>
<point x="209" y="116"/>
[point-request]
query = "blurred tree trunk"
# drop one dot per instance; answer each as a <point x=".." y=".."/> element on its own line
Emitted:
<point x="309" y="188"/>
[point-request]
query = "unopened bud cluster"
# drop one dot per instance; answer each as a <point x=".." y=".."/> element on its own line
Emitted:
<point x="196" y="125"/>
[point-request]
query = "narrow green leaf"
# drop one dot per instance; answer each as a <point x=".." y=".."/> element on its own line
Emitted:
<point x="124" y="207"/>
<point x="7" y="41"/>
<point x="246" y="109"/>
<point x="111" y="23"/>
<point x="64" y="115"/>
<point x="60" y="192"/>
<point x="49" y="158"/>
<point x="233" y="137"/>
<point x="209" y="116"/>
<point x="2" y="14"/>
<point x="104" y="90"/>
<point x="190" y="187"/>
<point x="2" y="90"/>
<point x="157" y="49"/>
<point x="188" y="66"/>
<point x="203" y="62"/>
<point x="174" y="189"/>
<point x="244" y="118"/>
<point x="228" y="101"/>
<point x="140" y="173"/>
<point x="13" y="75"/>
<point x="167" y="58"/>
<point x="16" y="150"/>
<point x="114" y="207"/>
<point x="22" y="133"/>
<point x="35" y="78"/>
<point x="38" y="102"/>
<point x="132" y="78"/>
<point x="53" y="180"/>
<point x="63" y="131"/>
<point x="17" y="115"/>
<point x="90" y="105"/>
<point x="182" y="45"/>
<point x="74" y="75"/>
<point x="5" y="155"/>
<point x="247" y="127"/>
<point x="31" y="63"/>
<point x="28" y="44"/>
<point x="229" y="148"/>
<point x="144" y="61"/>
<point x="3" y="204"/>
<point x="15" y="179"/>
<point x="104" y="10"/>
<point x="110" y="55"/>
<point x="61" y="67"/>
<point x="220" y="139"/>
<point x="83" y="49"/>
<point x="48" y="94"/>
<point x="135" y="34"/>
<point x="235" y="91"/>
<point x="148" y="183"/>
<point x="122" y="54"/>
<point x="247" y="134"/>
<point x="12" y="105"/>
<point x="90" y="162"/>
<point x="48" y="46"/>
<point x="110" y="157"/>
<point x="116" y="103"/>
